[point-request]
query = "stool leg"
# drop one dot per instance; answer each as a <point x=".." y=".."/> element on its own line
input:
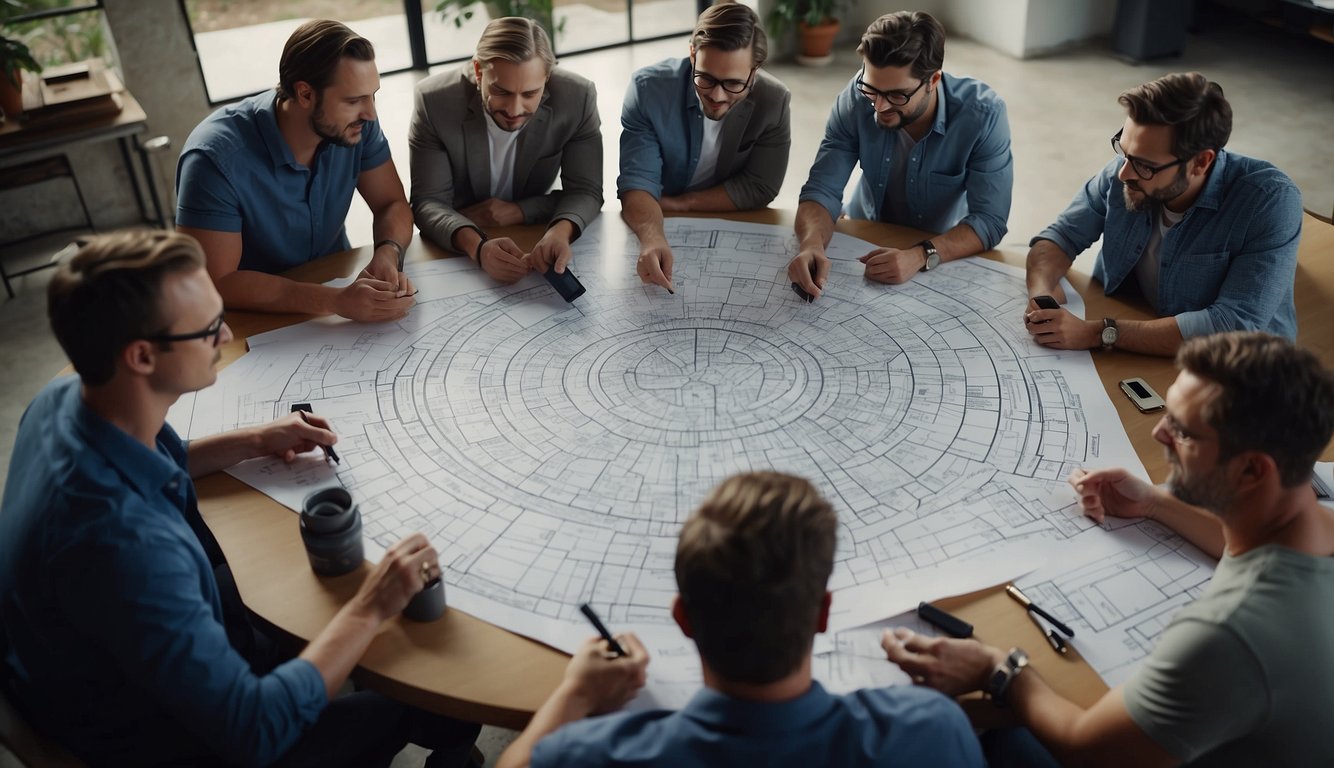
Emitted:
<point x="151" y="180"/>
<point x="78" y="190"/>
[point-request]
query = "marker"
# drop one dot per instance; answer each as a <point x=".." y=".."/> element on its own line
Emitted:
<point x="949" y="623"/>
<point x="616" y="648"/>
<point x="1032" y="607"/>
<point x="303" y="409"/>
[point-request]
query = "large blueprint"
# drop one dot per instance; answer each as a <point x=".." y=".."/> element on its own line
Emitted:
<point x="551" y="451"/>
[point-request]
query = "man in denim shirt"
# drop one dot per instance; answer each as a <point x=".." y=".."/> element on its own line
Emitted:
<point x="122" y="635"/>
<point x="934" y="151"/>
<point x="1209" y="236"/>
<point x="707" y="133"/>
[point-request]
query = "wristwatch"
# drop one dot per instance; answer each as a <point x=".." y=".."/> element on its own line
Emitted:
<point x="1001" y="678"/>
<point x="1110" y="333"/>
<point x="932" y="255"/>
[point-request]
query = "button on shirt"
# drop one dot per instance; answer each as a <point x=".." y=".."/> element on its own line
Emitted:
<point x="237" y="174"/>
<point x="1230" y="263"/>
<point x="873" y="727"/>
<point x="961" y="171"/>
<point x="113" y="621"/>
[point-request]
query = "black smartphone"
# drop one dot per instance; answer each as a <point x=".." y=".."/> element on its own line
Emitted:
<point x="565" y="283"/>
<point x="801" y="292"/>
<point x="1046" y="302"/>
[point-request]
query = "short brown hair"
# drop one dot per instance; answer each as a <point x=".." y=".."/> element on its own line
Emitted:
<point x="905" y="38"/>
<point x="312" y="54"/>
<point x="752" y="566"/>
<point x="109" y="294"/>
<point x="1191" y="104"/>
<point x="516" y="39"/>
<point x="1273" y="397"/>
<point x="731" y="27"/>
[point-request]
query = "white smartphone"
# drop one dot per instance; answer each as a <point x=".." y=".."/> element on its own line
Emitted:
<point x="1142" y="395"/>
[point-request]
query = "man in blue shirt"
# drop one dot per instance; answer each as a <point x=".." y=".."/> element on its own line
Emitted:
<point x="934" y="151"/>
<point x="1210" y="237"/>
<point x="706" y="133"/>
<point x="752" y="567"/>
<point x="264" y="185"/>
<point x="124" y="638"/>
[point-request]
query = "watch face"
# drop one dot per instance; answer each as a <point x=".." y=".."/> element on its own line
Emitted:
<point x="1109" y="335"/>
<point x="932" y="260"/>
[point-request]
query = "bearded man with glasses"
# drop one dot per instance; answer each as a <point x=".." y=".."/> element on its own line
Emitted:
<point x="710" y="132"/>
<point x="934" y="151"/>
<point x="1209" y="237"/>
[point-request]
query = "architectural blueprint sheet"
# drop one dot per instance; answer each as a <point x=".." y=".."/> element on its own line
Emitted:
<point x="551" y="451"/>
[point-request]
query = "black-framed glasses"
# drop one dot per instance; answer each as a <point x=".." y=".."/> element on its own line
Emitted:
<point x="706" y="82"/>
<point x="897" y="98"/>
<point x="214" y="329"/>
<point x="1144" y="170"/>
<point x="1179" y="432"/>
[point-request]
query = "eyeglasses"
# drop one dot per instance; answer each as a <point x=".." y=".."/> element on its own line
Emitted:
<point x="706" y="82"/>
<point x="1179" y="433"/>
<point x="897" y="98"/>
<point x="1142" y="169"/>
<point x="214" y="329"/>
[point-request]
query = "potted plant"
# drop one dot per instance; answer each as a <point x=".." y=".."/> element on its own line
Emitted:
<point x="14" y="59"/>
<point x="816" y="22"/>
<point x="542" y="11"/>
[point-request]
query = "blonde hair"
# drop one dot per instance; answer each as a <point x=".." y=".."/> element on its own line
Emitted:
<point x="516" y="39"/>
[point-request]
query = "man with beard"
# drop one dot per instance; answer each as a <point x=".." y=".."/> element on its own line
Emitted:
<point x="934" y="151"/>
<point x="122" y="635"/>
<point x="710" y="132"/>
<point x="1241" y="676"/>
<point x="487" y="141"/>
<point x="265" y="184"/>
<point x="1210" y="237"/>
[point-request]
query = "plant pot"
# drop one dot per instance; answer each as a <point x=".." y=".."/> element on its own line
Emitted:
<point x="11" y="98"/>
<point x="816" y="42"/>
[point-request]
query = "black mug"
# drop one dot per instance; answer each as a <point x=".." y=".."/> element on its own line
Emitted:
<point x="331" y="531"/>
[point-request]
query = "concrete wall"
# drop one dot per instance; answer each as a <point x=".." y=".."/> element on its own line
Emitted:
<point x="1018" y="28"/>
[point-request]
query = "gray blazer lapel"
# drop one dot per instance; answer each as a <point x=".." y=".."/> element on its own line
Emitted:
<point x="734" y="127"/>
<point x="532" y="145"/>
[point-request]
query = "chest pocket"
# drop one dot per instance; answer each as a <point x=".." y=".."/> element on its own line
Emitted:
<point x="1192" y="280"/>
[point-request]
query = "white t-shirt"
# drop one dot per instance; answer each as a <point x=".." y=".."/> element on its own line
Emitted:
<point x="708" y="152"/>
<point x="1146" y="269"/>
<point x="503" y="144"/>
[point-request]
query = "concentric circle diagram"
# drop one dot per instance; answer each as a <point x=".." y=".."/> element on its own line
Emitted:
<point x="551" y="451"/>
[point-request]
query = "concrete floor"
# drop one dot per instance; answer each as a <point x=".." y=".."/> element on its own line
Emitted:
<point x="1062" y="110"/>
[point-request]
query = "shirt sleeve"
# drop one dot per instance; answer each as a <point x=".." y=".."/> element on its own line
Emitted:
<point x="1186" y="695"/>
<point x="641" y="152"/>
<point x="1261" y="274"/>
<point x="990" y="181"/>
<point x="758" y="183"/>
<point x="145" y="601"/>
<point x="1081" y="223"/>
<point x="432" y="171"/>
<point x="375" y="147"/>
<point x="205" y="198"/>
<point x="836" y="157"/>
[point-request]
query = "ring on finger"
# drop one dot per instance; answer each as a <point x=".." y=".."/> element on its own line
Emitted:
<point x="426" y="572"/>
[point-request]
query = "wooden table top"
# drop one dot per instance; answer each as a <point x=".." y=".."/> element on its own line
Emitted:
<point x="464" y="667"/>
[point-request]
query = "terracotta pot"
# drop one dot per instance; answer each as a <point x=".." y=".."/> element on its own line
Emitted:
<point x="11" y="98"/>
<point x="817" y="41"/>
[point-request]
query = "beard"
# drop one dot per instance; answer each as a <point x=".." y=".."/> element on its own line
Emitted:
<point x="1156" y="200"/>
<point x="1209" y="490"/>
<point x="905" y="118"/>
<point x="331" y="132"/>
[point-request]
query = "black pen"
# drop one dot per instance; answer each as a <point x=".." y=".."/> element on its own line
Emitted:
<point x="616" y="648"/>
<point x="303" y="409"/>
<point x="1033" y="607"/>
<point x="1056" y="642"/>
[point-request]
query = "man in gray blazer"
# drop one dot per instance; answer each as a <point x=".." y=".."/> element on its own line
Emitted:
<point x="706" y="133"/>
<point x="486" y="142"/>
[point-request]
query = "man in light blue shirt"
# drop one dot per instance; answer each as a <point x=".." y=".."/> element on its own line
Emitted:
<point x="265" y="185"/>
<point x="752" y="568"/>
<point x="1208" y="236"/>
<point x="706" y="133"/>
<point x="122" y="635"/>
<point x="934" y="151"/>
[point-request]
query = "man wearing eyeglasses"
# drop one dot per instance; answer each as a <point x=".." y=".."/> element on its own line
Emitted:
<point x="934" y="150"/>
<point x="122" y="635"/>
<point x="487" y="141"/>
<point x="1207" y="236"/>
<point x="710" y="132"/>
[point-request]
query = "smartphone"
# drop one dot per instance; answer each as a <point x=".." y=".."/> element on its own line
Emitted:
<point x="565" y="283"/>
<point x="1046" y="302"/>
<point x="1142" y="395"/>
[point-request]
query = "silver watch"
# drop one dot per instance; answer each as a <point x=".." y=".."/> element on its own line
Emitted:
<point x="1003" y="676"/>
<point x="932" y="255"/>
<point x="1110" y="333"/>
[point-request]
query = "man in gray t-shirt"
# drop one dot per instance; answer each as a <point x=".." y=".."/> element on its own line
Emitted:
<point x="1242" y="676"/>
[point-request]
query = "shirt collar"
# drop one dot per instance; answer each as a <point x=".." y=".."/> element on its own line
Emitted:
<point x="266" y="117"/>
<point x="938" y="126"/>
<point x="1211" y="196"/>
<point x="718" y="709"/>
<point x="146" y="469"/>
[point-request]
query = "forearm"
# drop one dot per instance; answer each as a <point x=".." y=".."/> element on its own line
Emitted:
<point x="336" y="650"/>
<point x="643" y="215"/>
<point x="393" y="222"/>
<point x="958" y="243"/>
<point x="262" y="292"/>
<point x="1159" y="337"/>
<point x="813" y="225"/>
<point x="466" y="240"/>
<point x="563" y="706"/>
<point x="217" y="452"/>
<point x="711" y="199"/>
<point x="1190" y="522"/>
<point x="1052" y="718"/>
<point x="1045" y="267"/>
